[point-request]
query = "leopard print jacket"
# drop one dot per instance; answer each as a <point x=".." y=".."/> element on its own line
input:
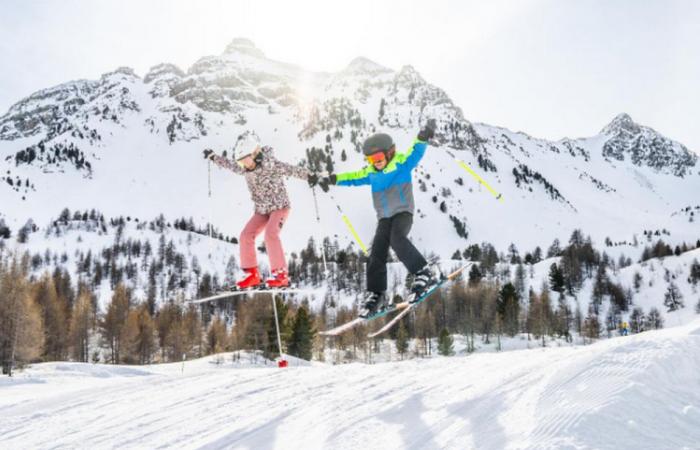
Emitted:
<point x="266" y="181"/>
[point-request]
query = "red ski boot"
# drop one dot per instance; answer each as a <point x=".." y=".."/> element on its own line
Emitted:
<point x="251" y="280"/>
<point x="279" y="280"/>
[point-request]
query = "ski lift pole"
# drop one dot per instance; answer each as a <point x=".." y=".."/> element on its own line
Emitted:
<point x="320" y="229"/>
<point x="349" y="225"/>
<point x="476" y="176"/>
<point x="282" y="362"/>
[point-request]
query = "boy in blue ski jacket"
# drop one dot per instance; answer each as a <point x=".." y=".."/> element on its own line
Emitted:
<point x="389" y="175"/>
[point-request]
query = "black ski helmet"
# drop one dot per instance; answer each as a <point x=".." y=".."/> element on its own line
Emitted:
<point x="378" y="142"/>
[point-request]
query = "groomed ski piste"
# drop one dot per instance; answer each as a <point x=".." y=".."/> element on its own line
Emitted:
<point x="640" y="391"/>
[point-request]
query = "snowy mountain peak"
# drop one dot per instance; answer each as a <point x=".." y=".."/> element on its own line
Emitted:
<point x="244" y="46"/>
<point x="645" y="147"/>
<point x="160" y="70"/>
<point x="621" y="123"/>
<point x="362" y="65"/>
<point x="409" y="75"/>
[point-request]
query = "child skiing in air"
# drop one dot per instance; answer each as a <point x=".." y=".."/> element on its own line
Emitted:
<point x="264" y="175"/>
<point x="389" y="174"/>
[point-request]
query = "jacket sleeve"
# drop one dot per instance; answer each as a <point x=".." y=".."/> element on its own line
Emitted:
<point x="357" y="178"/>
<point x="412" y="157"/>
<point x="227" y="164"/>
<point x="289" y="170"/>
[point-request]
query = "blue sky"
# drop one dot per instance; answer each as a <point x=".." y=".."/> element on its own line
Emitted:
<point x="551" y="68"/>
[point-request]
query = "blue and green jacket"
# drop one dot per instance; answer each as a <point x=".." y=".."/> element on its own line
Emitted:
<point x="392" y="187"/>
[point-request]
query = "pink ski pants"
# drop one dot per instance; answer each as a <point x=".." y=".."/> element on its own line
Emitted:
<point x="272" y="224"/>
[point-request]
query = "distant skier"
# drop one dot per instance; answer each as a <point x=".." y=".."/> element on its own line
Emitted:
<point x="264" y="175"/>
<point x="624" y="329"/>
<point x="389" y="174"/>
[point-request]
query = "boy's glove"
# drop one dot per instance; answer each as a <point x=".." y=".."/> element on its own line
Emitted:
<point x="324" y="182"/>
<point x="428" y="131"/>
<point x="209" y="154"/>
<point x="321" y="180"/>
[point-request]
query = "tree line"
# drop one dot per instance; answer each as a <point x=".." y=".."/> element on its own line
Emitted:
<point x="45" y="319"/>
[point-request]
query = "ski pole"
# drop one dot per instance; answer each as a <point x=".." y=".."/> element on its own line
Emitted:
<point x="476" y="176"/>
<point x="320" y="229"/>
<point x="281" y="363"/>
<point x="210" y="208"/>
<point x="349" y="225"/>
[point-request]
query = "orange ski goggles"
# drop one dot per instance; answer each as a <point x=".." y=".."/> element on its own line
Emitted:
<point x="376" y="158"/>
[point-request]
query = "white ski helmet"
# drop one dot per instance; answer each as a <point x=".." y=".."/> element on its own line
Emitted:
<point x="246" y="144"/>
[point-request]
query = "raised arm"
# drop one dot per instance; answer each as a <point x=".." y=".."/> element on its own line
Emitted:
<point x="222" y="162"/>
<point x="412" y="157"/>
<point x="227" y="164"/>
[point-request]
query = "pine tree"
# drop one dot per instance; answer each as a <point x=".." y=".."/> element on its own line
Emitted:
<point x="54" y="313"/>
<point x="5" y="231"/>
<point x="613" y="320"/>
<point x="425" y="329"/>
<point x="578" y="319"/>
<point x="475" y="275"/>
<point x="520" y="280"/>
<point x="563" y="318"/>
<point x="554" y="249"/>
<point x="302" y="338"/>
<point x="25" y="231"/>
<point x="543" y="315"/>
<point x="402" y="340"/>
<point x="591" y="326"/>
<point x="508" y="307"/>
<point x="673" y="299"/>
<point x="231" y="269"/>
<point x="168" y="330"/>
<point x="654" y="319"/>
<point x="141" y="335"/>
<point x="637" y="281"/>
<point x="694" y="272"/>
<point x="600" y="288"/>
<point x="445" y="343"/>
<point x="537" y="255"/>
<point x="192" y="332"/>
<point x="216" y="336"/>
<point x="556" y="278"/>
<point x="637" y="320"/>
<point x="21" y="333"/>
<point x="513" y="254"/>
<point x="81" y="324"/>
<point x="113" y="325"/>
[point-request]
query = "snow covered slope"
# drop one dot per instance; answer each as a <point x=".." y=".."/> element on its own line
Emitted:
<point x="638" y="392"/>
<point x="132" y="146"/>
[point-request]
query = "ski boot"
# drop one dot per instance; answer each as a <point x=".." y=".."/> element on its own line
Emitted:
<point x="251" y="280"/>
<point x="278" y="280"/>
<point x="423" y="281"/>
<point x="373" y="303"/>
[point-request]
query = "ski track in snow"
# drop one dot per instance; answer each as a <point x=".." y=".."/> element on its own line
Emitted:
<point x="633" y="392"/>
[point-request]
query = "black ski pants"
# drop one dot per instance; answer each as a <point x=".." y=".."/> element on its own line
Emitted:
<point x="392" y="232"/>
